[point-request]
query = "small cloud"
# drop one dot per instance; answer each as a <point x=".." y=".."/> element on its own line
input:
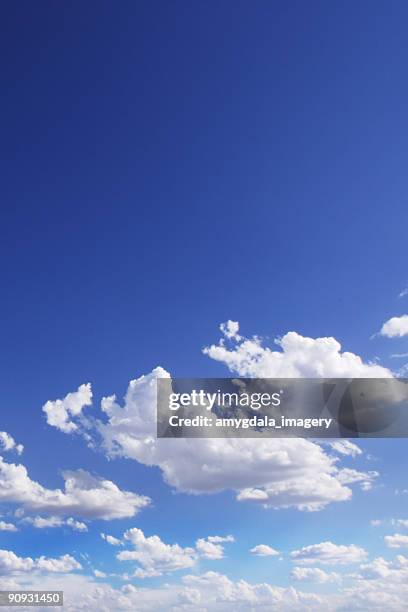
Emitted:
<point x="111" y="539"/>
<point x="396" y="327"/>
<point x="403" y="293"/>
<point x="396" y="541"/>
<point x="263" y="550"/>
<point x="230" y="330"/>
<point x="60" y="411"/>
<point x="7" y="526"/>
<point x="345" y="447"/>
<point x="99" y="574"/>
<point x="7" y="443"/>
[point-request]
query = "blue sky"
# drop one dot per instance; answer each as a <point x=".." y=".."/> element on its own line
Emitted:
<point x="170" y="166"/>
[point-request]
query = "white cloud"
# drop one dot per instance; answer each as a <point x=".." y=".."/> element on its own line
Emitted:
<point x="218" y="539"/>
<point x="59" y="412"/>
<point x="329" y="554"/>
<point x="111" y="539"/>
<point x="7" y="526"/>
<point x="76" y="525"/>
<point x="65" y="564"/>
<point x="345" y="447"/>
<point x="396" y="327"/>
<point x="154" y="556"/>
<point x="11" y="563"/>
<point x="7" y="443"/>
<point x="99" y="574"/>
<point x="263" y="550"/>
<point x="84" y="495"/>
<point x="298" y="357"/>
<point x="207" y="549"/>
<point x="396" y="541"/>
<point x="230" y="330"/>
<point x="376" y="523"/>
<point x="350" y="476"/>
<point x="403" y="293"/>
<point x="279" y="473"/>
<point x="40" y="522"/>
<point x="209" y="592"/>
<point x="380" y="568"/>
<point x="314" y="574"/>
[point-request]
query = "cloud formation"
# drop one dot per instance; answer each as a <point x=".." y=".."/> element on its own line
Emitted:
<point x="397" y="540"/>
<point x="396" y="327"/>
<point x="7" y="443"/>
<point x="329" y="554"/>
<point x="263" y="550"/>
<point x="84" y="495"/>
<point x="59" y="412"/>
<point x="297" y="357"/>
<point x="11" y="563"/>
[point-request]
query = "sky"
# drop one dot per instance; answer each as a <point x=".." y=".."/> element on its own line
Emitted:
<point x="168" y="167"/>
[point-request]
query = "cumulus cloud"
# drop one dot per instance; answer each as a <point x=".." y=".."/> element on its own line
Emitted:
<point x="154" y="556"/>
<point x="396" y="327"/>
<point x="7" y="443"/>
<point x="83" y="495"/>
<point x="59" y="412"/>
<point x="11" y="563"/>
<point x="230" y="330"/>
<point x="329" y="554"/>
<point x="111" y="539"/>
<point x="397" y="540"/>
<point x="314" y="574"/>
<point x="218" y="539"/>
<point x="297" y="357"/>
<point x="40" y="522"/>
<point x="211" y="547"/>
<point x="99" y="574"/>
<point x="279" y="473"/>
<point x="263" y="550"/>
<point x="210" y="592"/>
<point x="380" y="568"/>
<point x="7" y="526"/>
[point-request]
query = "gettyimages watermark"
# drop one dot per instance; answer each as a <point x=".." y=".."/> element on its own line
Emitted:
<point x="284" y="407"/>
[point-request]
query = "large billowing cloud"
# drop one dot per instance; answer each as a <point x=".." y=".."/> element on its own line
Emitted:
<point x="277" y="473"/>
<point x="83" y="495"/>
